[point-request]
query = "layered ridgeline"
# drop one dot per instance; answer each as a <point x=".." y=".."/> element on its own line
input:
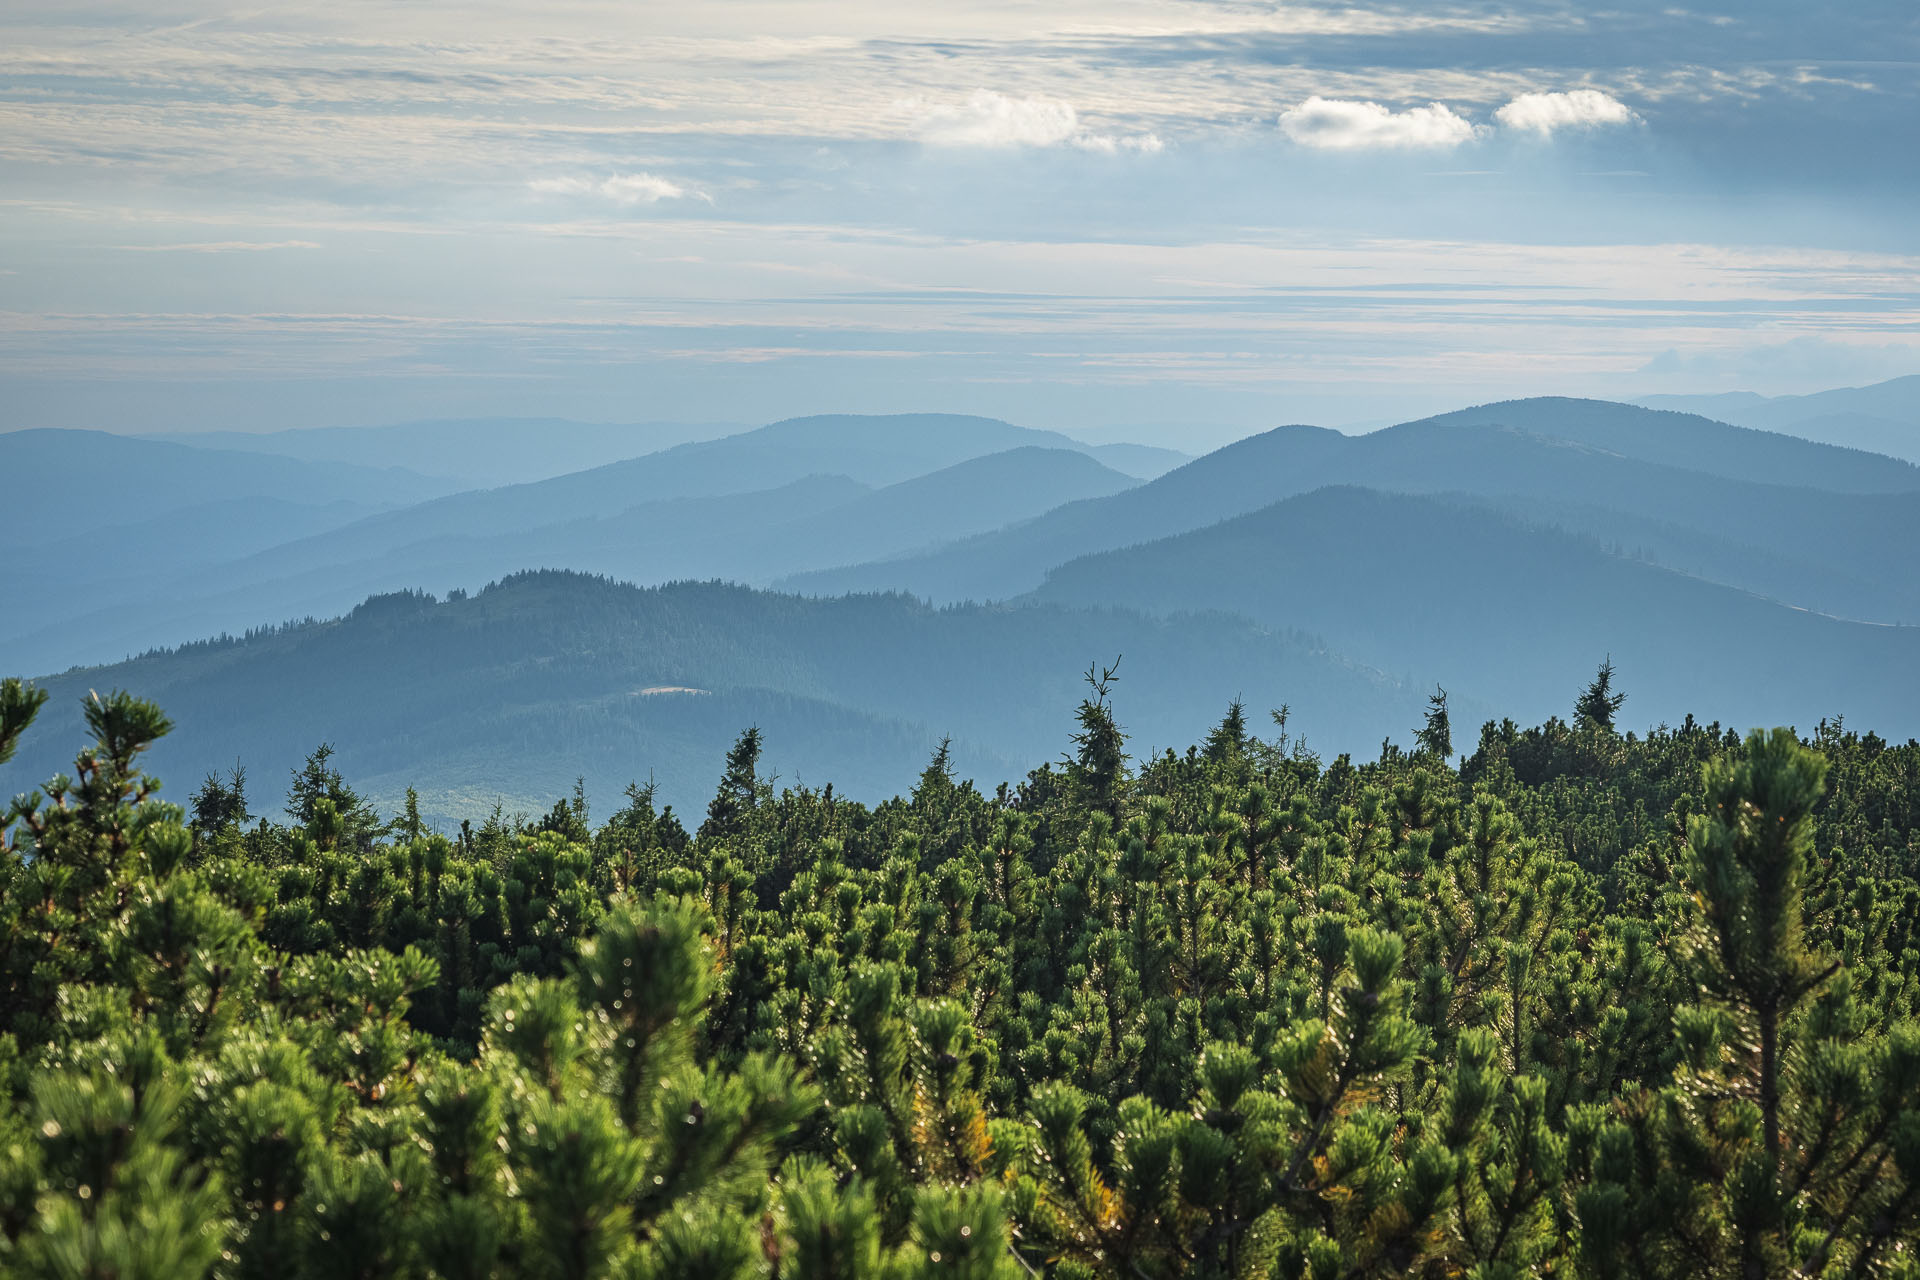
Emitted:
<point x="125" y="514"/>
<point x="511" y="694"/>
<point x="797" y="495"/>
<point x="484" y="453"/>
<point x="1487" y="603"/>
<point x="1817" y="526"/>
<point x="1497" y="549"/>
<point x="1882" y="418"/>
<point x="1500" y="553"/>
<point x="1584" y="1005"/>
<point x="470" y="453"/>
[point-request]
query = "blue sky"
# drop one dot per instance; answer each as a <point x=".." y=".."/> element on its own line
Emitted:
<point x="1177" y="219"/>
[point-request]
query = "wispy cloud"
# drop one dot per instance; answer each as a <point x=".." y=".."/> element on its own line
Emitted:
<point x="1332" y="124"/>
<point x="1113" y="144"/>
<point x="220" y="246"/>
<point x="989" y="119"/>
<point x="589" y="144"/>
<point x="1548" y="113"/>
<point x="621" y="188"/>
<point x="1810" y="359"/>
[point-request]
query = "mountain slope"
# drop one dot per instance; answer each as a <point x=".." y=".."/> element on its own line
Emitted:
<point x="750" y="537"/>
<point x="654" y="540"/>
<point x="580" y="673"/>
<point x="112" y="480"/>
<point x="79" y="572"/>
<point x="1239" y="477"/>
<point x="1516" y="615"/>
<point x="1863" y="590"/>
<point x="476" y="453"/>
<point x="1883" y="417"/>
<point x="967" y="498"/>
<point x="1849" y="539"/>
<point x="1694" y="443"/>
<point x="96" y="520"/>
<point x="1141" y="461"/>
<point x="871" y="450"/>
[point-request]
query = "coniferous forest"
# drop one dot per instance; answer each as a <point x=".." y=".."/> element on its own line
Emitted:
<point x="1568" y="1001"/>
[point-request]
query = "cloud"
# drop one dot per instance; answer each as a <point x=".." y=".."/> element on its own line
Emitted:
<point x="1113" y="144"/>
<point x="1545" y="113"/>
<point x="989" y="119"/>
<point x="1805" y="363"/>
<point x="1333" y="124"/>
<point x="220" y="246"/>
<point x="621" y="188"/>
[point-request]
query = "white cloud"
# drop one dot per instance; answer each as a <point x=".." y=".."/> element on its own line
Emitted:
<point x="989" y="119"/>
<point x="1113" y="144"/>
<point x="1334" y="124"/>
<point x="621" y="188"/>
<point x="1544" y="113"/>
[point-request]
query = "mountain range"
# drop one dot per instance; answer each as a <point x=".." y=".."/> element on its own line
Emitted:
<point x="862" y="587"/>
<point x="735" y="507"/>
<point x="486" y="453"/>
<point x="467" y="453"/>
<point x="1812" y="524"/>
<point x="1461" y="590"/>
<point x="1881" y="418"/>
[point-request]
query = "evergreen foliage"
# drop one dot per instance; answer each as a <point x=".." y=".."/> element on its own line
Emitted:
<point x="1590" y="1004"/>
<point x="1599" y="702"/>
<point x="1436" y="734"/>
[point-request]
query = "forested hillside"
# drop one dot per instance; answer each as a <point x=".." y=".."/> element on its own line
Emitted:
<point x="510" y="694"/>
<point x="1507" y="609"/>
<point x="1571" y="1002"/>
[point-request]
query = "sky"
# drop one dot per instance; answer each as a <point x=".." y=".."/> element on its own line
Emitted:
<point x="1159" y="219"/>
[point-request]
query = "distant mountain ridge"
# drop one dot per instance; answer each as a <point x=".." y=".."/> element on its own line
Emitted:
<point x="989" y="492"/>
<point x="1472" y="598"/>
<point x="1631" y="460"/>
<point x="486" y="453"/>
<point x="808" y="522"/>
<point x="124" y="479"/>
<point x="96" y="521"/>
<point x="875" y="451"/>
<point x="1694" y="442"/>
<point x="549" y="670"/>
<point x="1883" y="417"/>
<point x="473" y="453"/>
<point x="1501" y="550"/>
